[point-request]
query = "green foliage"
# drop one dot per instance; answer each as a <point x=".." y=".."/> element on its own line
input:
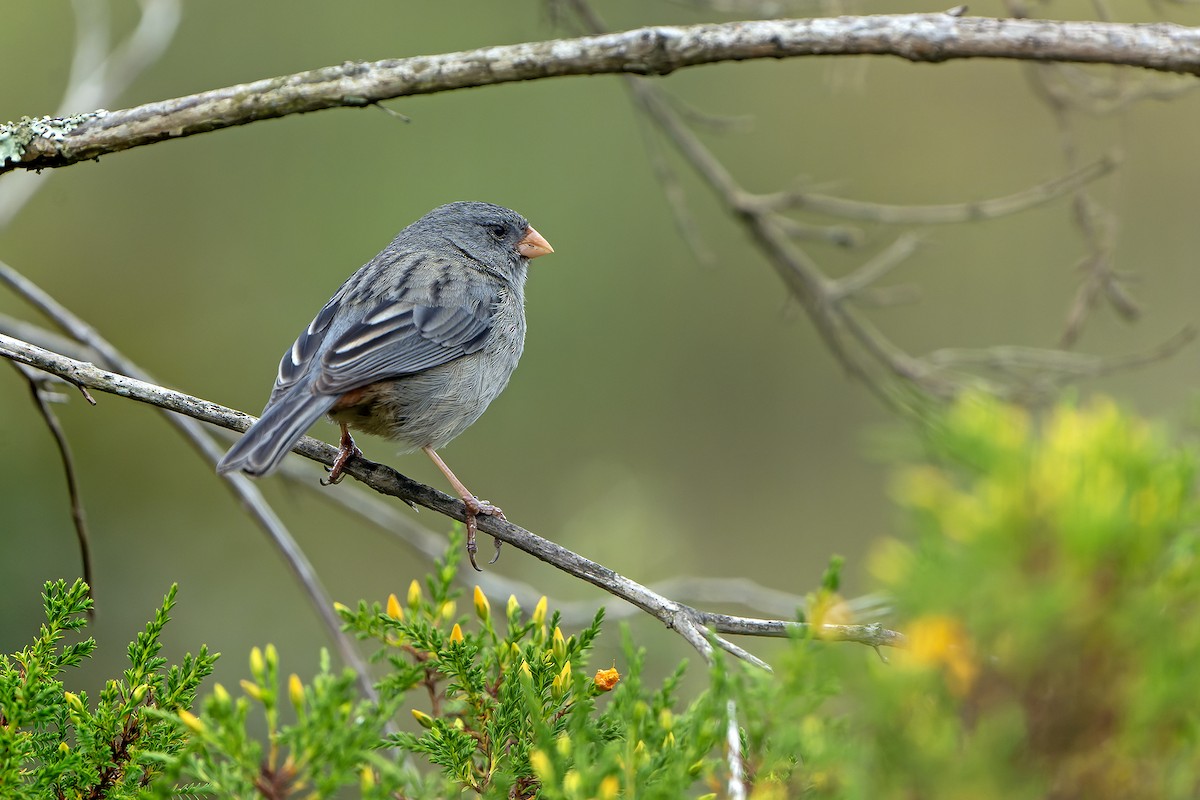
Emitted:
<point x="55" y="743"/>
<point x="1050" y="593"/>
<point x="1048" y="587"/>
<point x="500" y="703"/>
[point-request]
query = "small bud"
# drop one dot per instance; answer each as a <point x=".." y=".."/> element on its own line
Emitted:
<point x="220" y="696"/>
<point x="483" y="609"/>
<point x="606" y="679"/>
<point x="571" y="782"/>
<point x="696" y="768"/>
<point x="512" y="608"/>
<point x="272" y="658"/>
<point x="252" y="689"/>
<point x="74" y="702"/>
<point x="456" y="635"/>
<point x="296" y="692"/>
<point x="610" y="787"/>
<point x="540" y="763"/>
<point x="393" y="608"/>
<point x="366" y="780"/>
<point x="539" y="612"/>
<point x="64" y="748"/>
<point x="342" y="609"/>
<point x="562" y="745"/>
<point x="559" y="646"/>
<point x="414" y="594"/>
<point x="191" y="720"/>
<point x="139" y="693"/>
<point x="423" y="719"/>
<point x="561" y="682"/>
<point x="669" y="739"/>
<point x="666" y="719"/>
<point x="528" y="673"/>
<point x="258" y="665"/>
<point x="448" y="610"/>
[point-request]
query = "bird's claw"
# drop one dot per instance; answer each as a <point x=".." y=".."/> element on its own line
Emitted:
<point x="476" y="507"/>
<point x="347" y="450"/>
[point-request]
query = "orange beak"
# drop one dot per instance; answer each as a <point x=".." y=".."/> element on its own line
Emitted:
<point x="533" y="245"/>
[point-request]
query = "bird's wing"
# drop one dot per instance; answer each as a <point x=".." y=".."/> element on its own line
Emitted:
<point x="397" y="338"/>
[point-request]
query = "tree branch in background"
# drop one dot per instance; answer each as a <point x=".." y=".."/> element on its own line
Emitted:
<point x="859" y="346"/>
<point x="56" y="142"/>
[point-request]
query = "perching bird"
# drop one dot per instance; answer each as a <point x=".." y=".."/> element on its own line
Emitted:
<point x="413" y="347"/>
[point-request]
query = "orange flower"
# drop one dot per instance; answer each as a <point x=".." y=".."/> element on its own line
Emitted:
<point x="606" y="679"/>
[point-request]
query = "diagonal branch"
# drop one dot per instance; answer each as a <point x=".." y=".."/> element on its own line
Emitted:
<point x="46" y="142"/>
<point x="687" y="621"/>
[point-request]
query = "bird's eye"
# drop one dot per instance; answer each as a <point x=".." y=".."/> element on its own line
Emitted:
<point x="498" y="231"/>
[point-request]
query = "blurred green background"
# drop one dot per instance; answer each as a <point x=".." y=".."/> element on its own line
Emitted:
<point x="668" y="418"/>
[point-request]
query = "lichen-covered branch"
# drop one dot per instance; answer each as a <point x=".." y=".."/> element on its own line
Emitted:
<point x="53" y="142"/>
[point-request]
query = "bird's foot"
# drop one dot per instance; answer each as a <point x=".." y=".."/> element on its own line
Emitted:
<point x="476" y="507"/>
<point x="347" y="450"/>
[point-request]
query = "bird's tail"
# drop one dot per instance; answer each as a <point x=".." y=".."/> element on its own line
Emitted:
<point x="267" y="441"/>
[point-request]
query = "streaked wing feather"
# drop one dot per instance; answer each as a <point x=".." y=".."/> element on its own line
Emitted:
<point x="401" y="338"/>
<point x="298" y="358"/>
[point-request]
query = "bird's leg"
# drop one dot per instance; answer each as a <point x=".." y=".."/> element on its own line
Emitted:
<point x="347" y="450"/>
<point x="474" y="505"/>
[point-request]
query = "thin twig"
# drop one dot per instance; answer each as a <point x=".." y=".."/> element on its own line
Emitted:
<point x="939" y="214"/>
<point x="78" y="517"/>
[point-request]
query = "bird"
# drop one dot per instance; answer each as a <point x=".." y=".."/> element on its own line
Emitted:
<point x="413" y="347"/>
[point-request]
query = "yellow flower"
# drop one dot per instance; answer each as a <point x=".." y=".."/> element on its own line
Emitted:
<point x="456" y="634"/>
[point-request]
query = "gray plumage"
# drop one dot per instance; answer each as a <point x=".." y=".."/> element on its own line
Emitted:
<point x="414" y="345"/>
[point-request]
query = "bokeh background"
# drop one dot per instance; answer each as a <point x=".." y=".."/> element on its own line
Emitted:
<point x="669" y="417"/>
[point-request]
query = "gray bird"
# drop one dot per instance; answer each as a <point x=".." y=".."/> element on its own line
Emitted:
<point x="413" y="347"/>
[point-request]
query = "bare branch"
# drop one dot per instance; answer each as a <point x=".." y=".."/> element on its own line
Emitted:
<point x="395" y="523"/>
<point x="942" y="214"/>
<point x="42" y="143"/>
<point x="685" y="620"/>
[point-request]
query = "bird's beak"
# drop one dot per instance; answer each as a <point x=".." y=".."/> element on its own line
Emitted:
<point x="533" y="245"/>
